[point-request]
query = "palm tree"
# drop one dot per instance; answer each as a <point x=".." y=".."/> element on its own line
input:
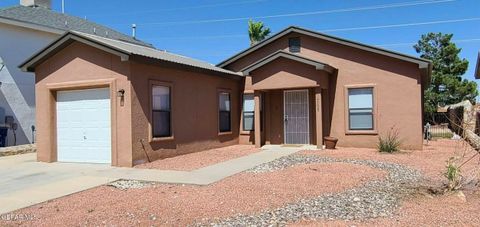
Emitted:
<point x="257" y="32"/>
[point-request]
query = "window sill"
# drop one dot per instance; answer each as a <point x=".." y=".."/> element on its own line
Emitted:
<point x="361" y="132"/>
<point x="162" y="139"/>
<point x="225" y="133"/>
<point x="246" y="132"/>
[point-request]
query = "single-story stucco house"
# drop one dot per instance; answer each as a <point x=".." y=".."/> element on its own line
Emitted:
<point x="109" y="101"/>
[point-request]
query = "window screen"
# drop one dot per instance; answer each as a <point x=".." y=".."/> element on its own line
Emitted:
<point x="161" y="112"/>
<point x="224" y="112"/>
<point x="360" y="108"/>
<point x="248" y="112"/>
<point x="294" y="44"/>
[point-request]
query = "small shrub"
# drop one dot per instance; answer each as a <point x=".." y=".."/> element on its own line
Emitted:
<point x="453" y="175"/>
<point x="390" y="142"/>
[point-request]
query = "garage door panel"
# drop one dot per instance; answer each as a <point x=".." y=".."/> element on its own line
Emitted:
<point x="84" y="126"/>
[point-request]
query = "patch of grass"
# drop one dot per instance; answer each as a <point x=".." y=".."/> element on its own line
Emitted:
<point x="447" y="135"/>
<point x="390" y="142"/>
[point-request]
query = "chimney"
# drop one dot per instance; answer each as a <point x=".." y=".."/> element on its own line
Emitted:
<point x="47" y="4"/>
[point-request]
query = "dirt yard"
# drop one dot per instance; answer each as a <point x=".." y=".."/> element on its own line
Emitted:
<point x="273" y="187"/>
<point x="201" y="159"/>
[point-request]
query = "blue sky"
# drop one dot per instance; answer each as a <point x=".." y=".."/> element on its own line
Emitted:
<point x="213" y="30"/>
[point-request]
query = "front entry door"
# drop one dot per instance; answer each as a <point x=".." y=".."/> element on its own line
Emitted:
<point x="296" y="121"/>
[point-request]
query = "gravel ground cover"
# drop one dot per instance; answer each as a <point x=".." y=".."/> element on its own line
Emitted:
<point x="378" y="198"/>
<point x="200" y="159"/>
<point x="181" y="205"/>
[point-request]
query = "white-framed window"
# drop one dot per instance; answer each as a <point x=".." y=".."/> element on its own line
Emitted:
<point x="161" y="111"/>
<point x="248" y="112"/>
<point x="360" y="108"/>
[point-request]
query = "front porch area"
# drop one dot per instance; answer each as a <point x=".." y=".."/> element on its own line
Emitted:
<point x="292" y="101"/>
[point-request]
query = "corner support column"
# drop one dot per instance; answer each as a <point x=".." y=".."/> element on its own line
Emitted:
<point x="258" y="138"/>
<point x="318" y="117"/>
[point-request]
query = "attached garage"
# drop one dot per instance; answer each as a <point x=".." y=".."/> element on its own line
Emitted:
<point x="84" y="126"/>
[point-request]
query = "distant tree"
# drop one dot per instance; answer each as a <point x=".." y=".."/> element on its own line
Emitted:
<point x="257" y="32"/>
<point x="447" y="85"/>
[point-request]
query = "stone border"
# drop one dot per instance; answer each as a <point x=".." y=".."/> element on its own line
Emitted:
<point x="377" y="198"/>
<point x="20" y="149"/>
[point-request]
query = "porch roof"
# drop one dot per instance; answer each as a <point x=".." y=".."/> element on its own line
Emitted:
<point x="285" y="54"/>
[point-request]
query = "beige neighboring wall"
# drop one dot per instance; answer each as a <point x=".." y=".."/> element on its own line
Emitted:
<point x="194" y="111"/>
<point x="80" y="66"/>
<point x="397" y="83"/>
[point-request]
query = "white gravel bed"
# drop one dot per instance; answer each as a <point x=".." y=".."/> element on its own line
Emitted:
<point x="130" y="184"/>
<point x="378" y="198"/>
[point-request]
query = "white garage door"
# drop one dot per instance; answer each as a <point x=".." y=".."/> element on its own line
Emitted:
<point x="83" y="126"/>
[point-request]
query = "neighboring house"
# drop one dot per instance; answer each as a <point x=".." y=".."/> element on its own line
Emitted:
<point x="477" y="68"/>
<point x="25" y="29"/>
<point x="108" y="101"/>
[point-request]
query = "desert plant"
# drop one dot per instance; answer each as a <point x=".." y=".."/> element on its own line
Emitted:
<point x="453" y="175"/>
<point x="390" y="142"/>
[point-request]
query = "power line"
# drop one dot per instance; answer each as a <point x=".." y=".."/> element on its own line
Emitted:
<point x="374" y="7"/>
<point x="338" y="29"/>
<point x="411" y="44"/>
<point x="402" y="25"/>
<point x="178" y="8"/>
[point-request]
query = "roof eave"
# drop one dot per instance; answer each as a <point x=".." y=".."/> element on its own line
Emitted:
<point x="281" y="53"/>
<point x="66" y="39"/>
<point x="29" y="25"/>
<point x="354" y="44"/>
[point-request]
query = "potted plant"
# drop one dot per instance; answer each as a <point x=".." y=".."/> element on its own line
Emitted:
<point x="330" y="142"/>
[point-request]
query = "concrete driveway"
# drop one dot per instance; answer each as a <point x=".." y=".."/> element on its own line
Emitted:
<point x="25" y="182"/>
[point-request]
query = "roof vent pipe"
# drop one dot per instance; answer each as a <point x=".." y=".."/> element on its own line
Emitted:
<point x="134" y="30"/>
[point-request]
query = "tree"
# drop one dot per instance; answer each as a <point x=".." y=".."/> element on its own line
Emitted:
<point x="257" y="32"/>
<point x="447" y="85"/>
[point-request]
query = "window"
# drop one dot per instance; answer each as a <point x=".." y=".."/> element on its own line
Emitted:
<point x="294" y="44"/>
<point x="360" y="108"/>
<point x="224" y="112"/>
<point x="161" y="113"/>
<point x="248" y="112"/>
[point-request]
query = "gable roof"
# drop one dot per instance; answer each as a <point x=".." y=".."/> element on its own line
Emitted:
<point x="423" y="63"/>
<point x="40" y="18"/>
<point x="284" y="54"/>
<point x="124" y="50"/>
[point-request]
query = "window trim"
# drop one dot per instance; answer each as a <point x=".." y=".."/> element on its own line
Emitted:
<point x="151" y="138"/>
<point x="219" y="91"/>
<point x="373" y="131"/>
<point x="243" y="131"/>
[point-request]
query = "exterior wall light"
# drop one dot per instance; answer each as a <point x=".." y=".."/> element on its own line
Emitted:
<point x="121" y="93"/>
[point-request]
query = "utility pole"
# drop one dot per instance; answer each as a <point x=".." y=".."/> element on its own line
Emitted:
<point x="63" y="6"/>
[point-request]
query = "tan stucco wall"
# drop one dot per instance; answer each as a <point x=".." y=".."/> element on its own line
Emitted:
<point x="194" y="111"/>
<point x="397" y="86"/>
<point x="194" y="104"/>
<point x="79" y="66"/>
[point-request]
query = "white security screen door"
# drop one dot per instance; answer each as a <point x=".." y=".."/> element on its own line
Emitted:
<point x="83" y="126"/>
<point x="296" y="119"/>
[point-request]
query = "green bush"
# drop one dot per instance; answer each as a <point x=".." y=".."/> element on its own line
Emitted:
<point x="390" y="142"/>
<point x="453" y="175"/>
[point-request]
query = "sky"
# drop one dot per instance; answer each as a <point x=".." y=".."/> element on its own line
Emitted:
<point x="213" y="30"/>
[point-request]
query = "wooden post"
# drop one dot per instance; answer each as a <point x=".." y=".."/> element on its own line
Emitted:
<point x="258" y="138"/>
<point x="318" y="117"/>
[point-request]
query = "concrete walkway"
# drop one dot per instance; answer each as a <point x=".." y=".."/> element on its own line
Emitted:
<point x="25" y="182"/>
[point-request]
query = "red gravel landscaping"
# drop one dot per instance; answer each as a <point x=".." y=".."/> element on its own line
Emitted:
<point x="422" y="209"/>
<point x="181" y="205"/>
<point x="201" y="159"/>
